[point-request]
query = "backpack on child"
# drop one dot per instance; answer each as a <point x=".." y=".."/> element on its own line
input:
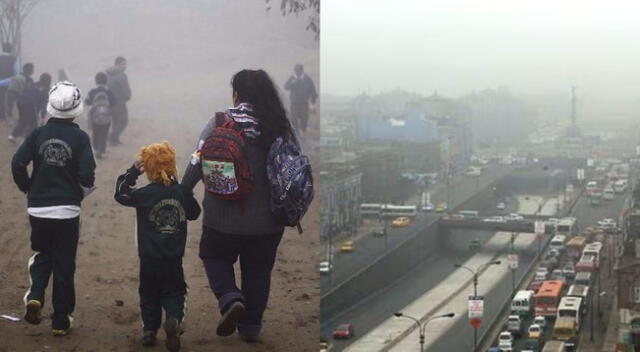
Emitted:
<point x="100" y="112"/>
<point x="291" y="181"/>
<point x="225" y="170"/>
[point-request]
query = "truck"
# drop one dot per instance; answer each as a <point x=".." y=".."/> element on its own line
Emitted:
<point x="595" y="198"/>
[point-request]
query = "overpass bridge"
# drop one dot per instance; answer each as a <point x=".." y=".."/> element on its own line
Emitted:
<point x="484" y="224"/>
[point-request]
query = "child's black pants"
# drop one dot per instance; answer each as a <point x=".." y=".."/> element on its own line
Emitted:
<point x="162" y="285"/>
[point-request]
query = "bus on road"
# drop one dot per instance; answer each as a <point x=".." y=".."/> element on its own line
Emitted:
<point x="594" y="249"/>
<point x="370" y="209"/>
<point x="548" y="298"/>
<point x="374" y="209"/>
<point x="575" y="247"/>
<point x="400" y="210"/>
<point x="566" y="226"/>
<point x="570" y="307"/>
<point x="522" y="303"/>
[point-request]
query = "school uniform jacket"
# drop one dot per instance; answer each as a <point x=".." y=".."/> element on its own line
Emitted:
<point x="162" y="213"/>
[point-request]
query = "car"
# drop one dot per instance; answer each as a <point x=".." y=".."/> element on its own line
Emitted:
<point x="343" y="331"/>
<point x="569" y="271"/>
<point x="514" y="325"/>
<point x="325" y="267"/>
<point x="535" y="285"/>
<point x="457" y="217"/>
<point x="347" y="247"/>
<point x="428" y="207"/>
<point x="402" y="221"/>
<point x="474" y="244"/>
<point x="474" y="171"/>
<point x="532" y="345"/>
<point x="550" y="263"/>
<point x="608" y="225"/>
<point x="541" y="321"/>
<point x="377" y="232"/>
<point x="505" y="341"/>
<point x="541" y="273"/>
<point x="325" y="346"/>
<point x="514" y="217"/>
<point x="498" y="219"/>
<point x="553" y="252"/>
<point x="557" y="275"/>
<point x="501" y="206"/>
<point x="536" y="332"/>
<point x="441" y="208"/>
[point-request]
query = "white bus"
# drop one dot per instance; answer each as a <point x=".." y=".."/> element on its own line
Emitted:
<point x="469" y="214"/>
<point x="523" y="303"/>
<point x="571" y="307"/>
<point x="594" y="249"/>
<point x="565" y="226"/>
<point x="400" y="210"/>
<point x="558" y="242"/>
<point x="580" y="291"/>
<point x="370" y="209"/>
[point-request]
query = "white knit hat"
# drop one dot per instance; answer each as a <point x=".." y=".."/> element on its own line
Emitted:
<point x="65" y="101"/>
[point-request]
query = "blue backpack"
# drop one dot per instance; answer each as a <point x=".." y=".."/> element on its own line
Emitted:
<point x="291" y="182"/>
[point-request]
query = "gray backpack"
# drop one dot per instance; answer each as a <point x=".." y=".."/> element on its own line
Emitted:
<point x="100" y="112"/>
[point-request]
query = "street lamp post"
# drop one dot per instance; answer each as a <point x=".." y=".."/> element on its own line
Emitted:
<point x="475" y="274"/>
<point x="423" y="326"/>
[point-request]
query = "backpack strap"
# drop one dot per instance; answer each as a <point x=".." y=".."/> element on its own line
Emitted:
<point x="220" y="118"/>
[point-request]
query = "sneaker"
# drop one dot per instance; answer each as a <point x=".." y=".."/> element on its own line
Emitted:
<point x="229" y="321"/>
<point x="172" y="330"/>
<point x="149" y="338"/>
<point x="250" y="338"/>
<point x="33" y="314"/>
<point x="64" y="332"/>
<point x="12" y="139"/>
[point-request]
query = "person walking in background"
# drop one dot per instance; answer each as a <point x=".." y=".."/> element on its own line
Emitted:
<point x="163" y="208"/>
<point x="244" y="227"/>
<point x="63" y="175"/>
<point x="302" y="91"/>
<point x="31" y="105"/>
<point x="17" y="84"/>
<point x="118" y="83"/>
<point x="102" y="102"/>
<point x="8" y="69"/>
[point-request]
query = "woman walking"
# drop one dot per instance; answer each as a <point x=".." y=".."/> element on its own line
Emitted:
<point x="237" y="218"/>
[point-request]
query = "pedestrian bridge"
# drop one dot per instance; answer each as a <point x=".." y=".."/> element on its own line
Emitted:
<point x="479" y="223"/>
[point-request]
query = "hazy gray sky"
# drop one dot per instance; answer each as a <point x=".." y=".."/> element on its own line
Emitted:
<point x="457" y="46"/>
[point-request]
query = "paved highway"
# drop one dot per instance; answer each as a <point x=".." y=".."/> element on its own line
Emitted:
<point x="369" y="248"/>
<point x="379" y="307"/>
<point x="588" y="215"/>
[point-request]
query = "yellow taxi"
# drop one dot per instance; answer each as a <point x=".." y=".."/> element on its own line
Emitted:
<point x="441" y="208"/>
<point x="347" y="247"/>
<point x="536" y="332"/>
<point x="402" y="221"/>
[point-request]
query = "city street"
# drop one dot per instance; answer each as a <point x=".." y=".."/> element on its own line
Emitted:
<point x="369" y="248"/>
<point x="380" y="307"/>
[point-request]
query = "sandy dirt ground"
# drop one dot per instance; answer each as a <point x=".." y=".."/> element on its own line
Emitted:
<point x="181" y="56"/>
<point x="107" y="270"/>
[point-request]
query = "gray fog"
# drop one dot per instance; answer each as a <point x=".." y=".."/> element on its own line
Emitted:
<point x="181" y="54"/>
<point x="460" y="46"/>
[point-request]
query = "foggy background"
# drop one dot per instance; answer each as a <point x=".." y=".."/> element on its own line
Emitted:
<point x="181" y="54"/>
<point x="534" y="49"/>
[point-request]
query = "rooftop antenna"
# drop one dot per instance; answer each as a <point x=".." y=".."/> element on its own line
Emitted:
<point x="573" y="107"/>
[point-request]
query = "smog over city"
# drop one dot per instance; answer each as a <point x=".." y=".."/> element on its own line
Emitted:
<point x="478" y="162"/>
